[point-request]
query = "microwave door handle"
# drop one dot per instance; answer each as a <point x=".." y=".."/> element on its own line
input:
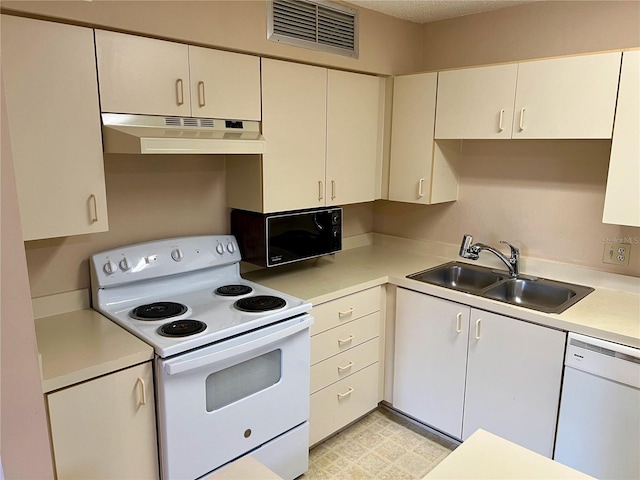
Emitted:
<point x="186" y="365"/>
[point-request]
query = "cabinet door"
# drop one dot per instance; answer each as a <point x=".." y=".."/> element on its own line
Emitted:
<point x="476" y="103"/>
<point x="105" y="428"/>
<point x="572" y="97"/>
<point x="621" y="202"/>
<point x="514" y="373"/>
<point x="352" y="137"/>
<point x="142" y="75"/>
<point x="430" y="360"/>
<point x="414" y="103"/>
<point x="294" y="123"/>
<point x="224" y="84"/>
<point x="49" y="73"/>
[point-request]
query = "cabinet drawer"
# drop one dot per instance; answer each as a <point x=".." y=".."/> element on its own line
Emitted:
<point x="343" y="402"/>
<point x="341" y="310"/>
<point x="344" y="337"/>
<point x="344" y="364"/>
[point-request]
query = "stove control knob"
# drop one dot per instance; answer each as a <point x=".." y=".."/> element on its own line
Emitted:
<point x="231" y="247"/>
<point x="177" y="255"/>
<point x="220" y="249"/>
<point x="110" y="267"/>
<point x="125" y="264"/>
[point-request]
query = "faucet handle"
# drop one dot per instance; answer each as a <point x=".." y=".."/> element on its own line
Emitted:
<point x="515" y="251"/>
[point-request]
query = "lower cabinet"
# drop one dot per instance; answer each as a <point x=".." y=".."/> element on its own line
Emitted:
<point x="105" y="428"/>
<point x="458" y="369"/>
<point x="345" y="361"/>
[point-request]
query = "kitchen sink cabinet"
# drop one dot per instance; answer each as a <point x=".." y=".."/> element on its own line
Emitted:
<point x="155" y="77"/>
<point x="105" y="428"/>
<point x="458" y="369"/>
<point x="568" y="97"/>
<point x="49" y="74"/>
<point x="621" y="205"/>
<point x="421" y="170"/>
<point x="345" y="361"/>
<point x="321" y="128"/>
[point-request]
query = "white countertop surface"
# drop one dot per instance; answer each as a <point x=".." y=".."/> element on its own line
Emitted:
<point x="487" y="456"/>
<point x="608" y="314"/>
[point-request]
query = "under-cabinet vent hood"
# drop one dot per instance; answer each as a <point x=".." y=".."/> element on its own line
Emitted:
<point x="179" y="135"/>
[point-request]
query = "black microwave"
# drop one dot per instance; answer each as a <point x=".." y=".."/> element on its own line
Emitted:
<point x="270" y="239"/>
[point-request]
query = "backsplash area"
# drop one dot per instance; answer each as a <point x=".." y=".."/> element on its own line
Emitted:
<point x="545" y="196"/>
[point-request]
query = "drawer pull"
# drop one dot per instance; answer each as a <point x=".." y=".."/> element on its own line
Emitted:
<point x="349" y="339"/>
<point x="478" y="325"/>
<point x="344" y="313"/>
<point x="345" y="394"/>
<point x="459" y="323"/>
<point x="346" y="367"/>
<point x="143" y="391"/>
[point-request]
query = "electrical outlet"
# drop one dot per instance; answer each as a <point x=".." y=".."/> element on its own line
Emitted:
<point x="616" y="253"/>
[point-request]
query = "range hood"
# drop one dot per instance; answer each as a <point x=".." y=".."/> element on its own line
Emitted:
<point x="145" y="134"/>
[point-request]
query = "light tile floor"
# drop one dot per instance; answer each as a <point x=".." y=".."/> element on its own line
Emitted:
<point x="381" y="446"/>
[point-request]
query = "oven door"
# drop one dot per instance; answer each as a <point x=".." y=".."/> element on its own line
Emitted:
<point x="219" y="402"/>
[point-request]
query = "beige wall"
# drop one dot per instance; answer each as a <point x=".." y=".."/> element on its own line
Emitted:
<point x="387" y="45"/>
<point x="534" y="30"/>
<point x="23" y="421"/>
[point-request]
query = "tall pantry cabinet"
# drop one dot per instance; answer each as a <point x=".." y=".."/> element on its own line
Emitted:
<point x="49" y="72"/>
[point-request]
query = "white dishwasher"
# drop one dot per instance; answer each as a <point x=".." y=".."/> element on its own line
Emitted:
<point x="599" y="422"/>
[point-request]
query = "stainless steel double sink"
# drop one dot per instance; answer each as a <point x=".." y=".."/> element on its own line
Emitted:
<point x="541" y="294"/>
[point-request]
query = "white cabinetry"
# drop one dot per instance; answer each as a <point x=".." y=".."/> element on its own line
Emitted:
<point x="421" y="170"/>
<point x="156" y="77"/>
<point x="622" y="199"/>
<point x="49" y="74"/>
<point x="105" y="428"/>
<point x="321" y="128"/>
<point x="459" y="369"/>
<point x="345" y="361"/>
<point x="569" y="97"/>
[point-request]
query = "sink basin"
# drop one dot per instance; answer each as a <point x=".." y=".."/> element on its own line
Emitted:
<point x="541" y="294"/>
<point x="459" y="276"/>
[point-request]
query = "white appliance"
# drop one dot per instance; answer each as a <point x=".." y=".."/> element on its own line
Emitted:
<point x="231" y="356"/>
<point x="599" y="423"/>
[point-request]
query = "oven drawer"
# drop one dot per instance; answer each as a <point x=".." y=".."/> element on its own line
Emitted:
<point x="342" y="310"/>
<point x="344" y="364"/>
<point x="344" y="337"/>
<point x="343" y="402"/>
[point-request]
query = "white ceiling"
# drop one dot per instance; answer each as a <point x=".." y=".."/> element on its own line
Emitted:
<point x="424" y="11"/>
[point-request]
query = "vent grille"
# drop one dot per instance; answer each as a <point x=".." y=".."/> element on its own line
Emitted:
<point x="189" y="122"/>
<point x="318" y="25"/>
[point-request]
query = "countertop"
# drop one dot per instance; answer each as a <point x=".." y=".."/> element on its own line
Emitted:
<point x="609" y="314"/>
<point x="484" y="455"/>
<point x="81" y="345"/>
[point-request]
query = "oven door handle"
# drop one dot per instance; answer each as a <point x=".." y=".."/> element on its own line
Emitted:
<point x="181" y="367"/>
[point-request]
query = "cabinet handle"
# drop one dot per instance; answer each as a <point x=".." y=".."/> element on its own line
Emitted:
<point x="345" y="340"/>
<point x="320" y="190"/>
<point x="143" y="391"/>
<point x="93" y="207"/>
<point x="459" y="323"/>
<point x="478" y="325"/>
<point x="344" y="313"/>
<point x="201" y="100"/>
<point x="500" y="126"/>
<point x="333" y="189"/>
<point x="346" y="367"/>
<point x="420" y="185"/>
<point x="345" y="394"/>
<point x="522" y="118"/>
<point x="179" y="92"/>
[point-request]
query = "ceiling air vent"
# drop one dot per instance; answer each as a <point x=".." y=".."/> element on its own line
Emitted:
<point x="320" y="25"/>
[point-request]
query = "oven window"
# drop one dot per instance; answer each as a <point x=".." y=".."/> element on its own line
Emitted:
<point x="243" y="379"/>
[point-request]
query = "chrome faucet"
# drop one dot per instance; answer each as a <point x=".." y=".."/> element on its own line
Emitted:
<point x="472" y="252"/>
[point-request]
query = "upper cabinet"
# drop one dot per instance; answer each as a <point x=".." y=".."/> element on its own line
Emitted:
<point x="155" y="77"/>
<point x="321" y="128"/>
<point x="569" y="97"/>
<point x="421" y="170"/>
<point x="622" y="199"/>
<point x="49" y="73"/>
